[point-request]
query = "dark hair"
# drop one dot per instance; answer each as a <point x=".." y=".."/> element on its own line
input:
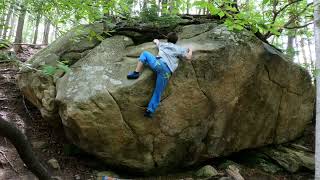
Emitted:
<point x="172" y="37"/>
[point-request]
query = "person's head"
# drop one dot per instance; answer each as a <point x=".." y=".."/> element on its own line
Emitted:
<point x="172" y="37"/>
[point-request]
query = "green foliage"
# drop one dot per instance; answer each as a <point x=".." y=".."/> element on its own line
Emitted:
<point x="51" y="70"/>
<point x="312" y="69"/>
<point x="4" y="44"/>
<point x="268" y="17"/>
<point x="149" y="14"/>
<point x="291" y="52"/>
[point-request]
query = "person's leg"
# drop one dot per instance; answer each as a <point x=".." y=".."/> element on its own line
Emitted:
<point x="145" y="58"/>
<point x="139" y="67"/>
<point x="163" y="75"/>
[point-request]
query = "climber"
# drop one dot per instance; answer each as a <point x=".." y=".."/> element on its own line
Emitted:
<point x="163" y="65"/>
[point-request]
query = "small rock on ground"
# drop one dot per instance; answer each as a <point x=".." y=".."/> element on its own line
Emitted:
<point x="206" y="171"/>
<point x="54" y="163"/>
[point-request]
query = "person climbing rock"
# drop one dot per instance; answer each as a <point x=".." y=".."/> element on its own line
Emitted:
<point x="164" y="64"/>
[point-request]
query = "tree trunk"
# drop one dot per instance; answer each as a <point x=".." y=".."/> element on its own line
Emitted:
<point x="317" y="51"/>
<point x="56" y="32"/>
<point x="309" y="49"/>
<point x="2" y="20"/>
<point x="7" y="22"/>
<point x="12" y="25"/>
<point x="290" y="49"/>
<point x="188" y="6"/>
<point x="23" y="147"/>
<point x="310" y="55"/>
<point x="296" y="52"/>
<point x="26" y="28"/>
<point x="303" y="52"/>
<point x="35" y="37"/>
<point x="171" y="6"/>
<point x="144" y="5"/>
<point x="52" y="35"/>
<point x="45" y="39"/>
<point x="199" y="11"/>
<point x="18" y="38"/>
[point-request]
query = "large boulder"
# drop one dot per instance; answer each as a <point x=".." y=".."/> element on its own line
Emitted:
<point x="237" y="93"/>
<point x="40" y="89"/>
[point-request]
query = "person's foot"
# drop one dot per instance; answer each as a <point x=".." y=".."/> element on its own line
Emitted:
<point x="148" y="113"/>
<point x="133" y="75"/>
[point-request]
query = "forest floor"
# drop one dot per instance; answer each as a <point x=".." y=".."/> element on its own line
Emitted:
<point x="51" y="143"/>
<point x="47" y="143"/>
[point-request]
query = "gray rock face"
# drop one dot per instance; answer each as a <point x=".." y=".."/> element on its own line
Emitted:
<point x="237" y="93"/>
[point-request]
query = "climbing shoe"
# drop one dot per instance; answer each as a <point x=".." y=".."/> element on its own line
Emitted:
<point x="148" y="113"/>
<point x="133" y="75"/>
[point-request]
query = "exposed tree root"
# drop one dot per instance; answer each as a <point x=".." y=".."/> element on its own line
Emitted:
<point x="21" y="143"/>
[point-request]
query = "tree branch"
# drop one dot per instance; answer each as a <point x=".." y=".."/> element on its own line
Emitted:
<point x="276" y="13"/>
<point x="287" y="5"/>
<point x="297" y="15"/>
<point x="268" y="34"/>
<point x="298" y="27"/>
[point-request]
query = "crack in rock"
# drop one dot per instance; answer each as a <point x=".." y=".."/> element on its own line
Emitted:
<point x="199" y="83"/>
<point x="278" y="117"/>
<point x="123" y="119"/>
<point x="281" y="86"/>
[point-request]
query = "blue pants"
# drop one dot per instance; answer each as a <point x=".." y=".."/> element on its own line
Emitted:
<point x="163" y="74"/>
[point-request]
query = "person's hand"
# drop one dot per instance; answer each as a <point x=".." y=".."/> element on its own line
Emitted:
<point x="189" y="55"/>
<point x="156" y="41"/>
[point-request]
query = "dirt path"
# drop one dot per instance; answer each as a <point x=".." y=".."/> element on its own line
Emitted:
<point x="10" y="163"/>
<point x="46" y="143"/>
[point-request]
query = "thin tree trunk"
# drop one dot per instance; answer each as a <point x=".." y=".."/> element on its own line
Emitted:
<point x="303" y="51"/>
<point x="309" y="49"/>
<point x="290" y="49"/>
<point x="35" y="37"/>
<point x="51" y="37"/>
<point x="158" y="2"/>
<point x="310" y="55"/>
<point x="18" y="38"/>
<point x="144" y="5"/>
<point x="12" y="25"/>
<point x="7" y="22"/>
<point x="296" y="52"/>
<point x="317" y="50"/>
<point x="199" y="12"/>
<point x="2" y="20"/>
<point x="171" y="6"/>
<point x="291" y="36"/>
<point x="45" y="39"/>
<point x="56" y="32"/>
<point x="188" y="6"/>
<point x="26" y="28"/>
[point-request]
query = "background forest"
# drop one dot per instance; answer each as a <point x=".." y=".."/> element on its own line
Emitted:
<point x="285" y="24"/>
